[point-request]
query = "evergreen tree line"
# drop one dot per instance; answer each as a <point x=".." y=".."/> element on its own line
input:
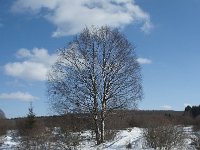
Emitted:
<point x="194" y="110"/>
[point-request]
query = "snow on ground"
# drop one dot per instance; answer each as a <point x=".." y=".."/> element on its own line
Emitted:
<point x="122" y="139"/>
<point x="9" y="141"/>
<point x="131" y="136"/>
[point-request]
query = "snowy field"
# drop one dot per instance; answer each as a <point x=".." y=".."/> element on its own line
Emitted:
<point x="132" y="137"/>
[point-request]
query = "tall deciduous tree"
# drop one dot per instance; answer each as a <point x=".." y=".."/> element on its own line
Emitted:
<point x="97" y="73"/>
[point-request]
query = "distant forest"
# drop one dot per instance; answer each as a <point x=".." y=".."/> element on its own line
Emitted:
<point x="194" y="110"/>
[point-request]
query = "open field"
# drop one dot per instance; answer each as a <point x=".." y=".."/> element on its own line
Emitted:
<point x="124" y="129"/>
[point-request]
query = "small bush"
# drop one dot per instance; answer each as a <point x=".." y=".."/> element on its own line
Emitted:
<point x="163" y="136"/>
<point x="50" y="139"/>
<point x="110" y="134"/>
<point x="196" y="141"/>
<point x="37" y="140"/>
<point x="65" y="139"/>
<point x="196" y="138"/>
<point x="129" y="146"/>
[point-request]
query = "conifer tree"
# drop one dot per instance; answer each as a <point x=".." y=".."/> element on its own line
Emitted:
<point x="31" y="121"/>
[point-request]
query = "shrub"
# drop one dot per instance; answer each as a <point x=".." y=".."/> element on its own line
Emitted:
<point x="129" y="146"/>
<point x="3" y="129"/>
<point x="110" y="134"/>
<point x="3" y="126"/>
<point x="65" y="139"/>
<point x="196" y="141"/>
<point x="37" y="140"/>
<point x="196" y="138"/>
<point x="50" y="139"/>
<point x="163" y="135"/>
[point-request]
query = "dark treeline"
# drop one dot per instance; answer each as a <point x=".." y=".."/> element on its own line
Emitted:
<point x="193" y="111"/>
<point x="117" y="120"/>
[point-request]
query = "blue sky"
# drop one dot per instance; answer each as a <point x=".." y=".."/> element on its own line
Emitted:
<point x="166" y="35"/>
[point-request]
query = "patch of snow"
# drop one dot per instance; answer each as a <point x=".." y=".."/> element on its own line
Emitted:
<point x="9" y="142"/>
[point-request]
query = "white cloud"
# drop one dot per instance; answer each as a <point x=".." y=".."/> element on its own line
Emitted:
<point x="70" y="17"/>
<point x="166" y="107"/>
<point x="21" y="96"/>
<point x="144" y="61"/>
<point x="34" y="64"/>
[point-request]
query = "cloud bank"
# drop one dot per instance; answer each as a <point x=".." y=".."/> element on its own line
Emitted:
<point x="17" y="96"/>
<point x="33" y="65"/>
<point x="71" y="16"/>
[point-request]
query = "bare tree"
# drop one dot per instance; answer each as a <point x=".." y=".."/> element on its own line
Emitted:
<point x="97" y="73"/>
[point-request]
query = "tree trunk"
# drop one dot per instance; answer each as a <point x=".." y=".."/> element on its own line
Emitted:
<point x="103" y="121"/>
<point x="97" y="133"/>
<point x="102" y="131"/>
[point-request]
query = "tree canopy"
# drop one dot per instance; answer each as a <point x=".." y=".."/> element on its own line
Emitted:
<point x="97" y="72"/>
